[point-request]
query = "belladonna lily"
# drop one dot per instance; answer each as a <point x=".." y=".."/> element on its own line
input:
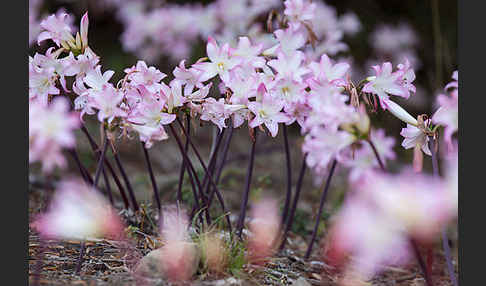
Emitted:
<point x="386" y="82"/>
<point x="267" y="111"/>
<point x="56" y="28"/>
<point x="326" y="70"/>
<point x="107" y="102"/>
<point x="96" y="80"/>
<point x="221" y="61"/>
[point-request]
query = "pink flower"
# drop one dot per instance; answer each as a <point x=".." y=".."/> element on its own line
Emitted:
<point x="53" y="124"/>
<point x="328" y="105"/>
<point x="290" y="66"/>
<point x="78" y="212"/>
<point x="325" y="70"/>
<point x="249" y="53"/>
<point x="372" y="239"/>
<point x="267" y="111"/>
<point x="289" y="40"/>
<point x="107" y="102"/>
<point x="190" y="77"/>
<point x="179" y="254"/>
<point x="322" y="145"/>
<point x="415" y="201"/>
<point x="415" y="138"/>
<point x="150" y="77"/>
<point x="173" y="93"/>
<point x="148" y="119"/>
<point x="56" y="28"/>
<point x="221" y="61"/>
<point x="42" y="83"/>
<point x="299" y="10"/>
<point x="96" y="80"/>
<point x="448" y="113"/>
<point x="264" y="230"/>
<point x="385" y="82"/>
<point x="350" y="23"/>
<point x="83" y="63"/>
<point x="215" y="111"/>
<point x="363" y="160"/>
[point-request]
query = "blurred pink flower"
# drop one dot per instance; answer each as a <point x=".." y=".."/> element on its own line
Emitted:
<point x="264" y="230"/>
<point x="448" y="113"/>
<point x="78" y="212"/>
<point x="299" y="10"/>
<point x="179" y="254"/>
<point x="51" y="128"/>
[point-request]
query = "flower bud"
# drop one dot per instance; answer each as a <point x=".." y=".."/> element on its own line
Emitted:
<point x="400" y="113"/>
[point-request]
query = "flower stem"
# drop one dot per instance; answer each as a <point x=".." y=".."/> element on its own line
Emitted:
<point x="225" y="153"/>
<point x="434" y="147"/>
<point x="84" y="173"/>
<point x="80" y="258"/>
<point x="290" y="217"/>
<point x="208" y="174"/>
<point x="97" y="152"/>
<point x="321" y="207"/>
<point x="289" y="175"/>
<point x="378" y="158"/>
<point x="212" y="166"/>
<point x="108" y="186"/>
<point x="425" y="272"/>
<point x="100" y="163"/>
<point x="152" y="177"/>
<point x="183" y="165"/>
<point x="190" y="169"/>
<point x="125" y="178"/>
<point x="249" y="172"/>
